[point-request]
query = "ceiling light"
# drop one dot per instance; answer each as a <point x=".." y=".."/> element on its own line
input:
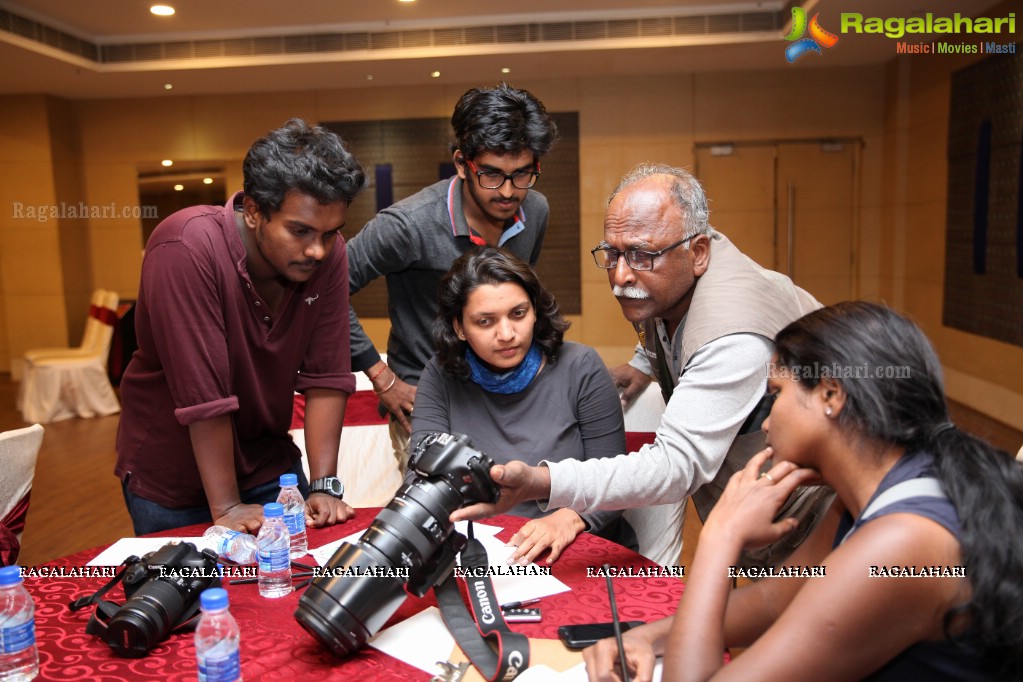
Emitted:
<point x="369" y="76"/>
<point x="435" y="74"/>
<point x="406" y="0"/>
<point x="162" y="10"/>
<point x="178" y="188"/>
<point x="166" y="162"/>
<point x="167" y="86"/>
<point x="506" y="70"/>
<point x="207" y="181"/>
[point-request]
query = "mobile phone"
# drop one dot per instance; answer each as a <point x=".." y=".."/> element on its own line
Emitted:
<point x="582" y="636"/>
<point x="522" y="615"/>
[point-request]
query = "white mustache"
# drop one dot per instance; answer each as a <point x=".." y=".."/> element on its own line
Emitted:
<point x="629" y="292"/>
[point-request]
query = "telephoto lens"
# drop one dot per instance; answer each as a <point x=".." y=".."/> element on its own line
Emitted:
<point x="409" y="547"/>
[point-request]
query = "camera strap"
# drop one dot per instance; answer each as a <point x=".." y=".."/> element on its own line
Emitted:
<point x="478" y="637"/>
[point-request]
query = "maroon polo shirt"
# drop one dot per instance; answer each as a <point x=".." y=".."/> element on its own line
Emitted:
<point x="208" y="345"/>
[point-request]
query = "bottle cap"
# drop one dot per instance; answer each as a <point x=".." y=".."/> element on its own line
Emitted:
<point x="289" y="479"/>
<point x="273" y="509"/>
<point x="213" y="598"/>
<point x="10" y="575"/>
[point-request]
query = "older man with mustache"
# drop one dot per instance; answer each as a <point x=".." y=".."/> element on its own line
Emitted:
<point x="706" y="316"/>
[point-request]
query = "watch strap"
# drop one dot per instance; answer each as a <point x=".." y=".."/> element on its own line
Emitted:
<point x="331" y="485"/>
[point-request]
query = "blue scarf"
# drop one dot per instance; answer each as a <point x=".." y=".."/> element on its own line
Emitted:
<point x="509" y="382"/>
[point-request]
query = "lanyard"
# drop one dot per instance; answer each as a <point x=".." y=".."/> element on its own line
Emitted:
<point x="478" y="637"/>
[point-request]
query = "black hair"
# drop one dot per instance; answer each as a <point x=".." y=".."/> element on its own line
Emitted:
<point x="310" y="160"/>
<point x="903" y="403"/>
<point x="491" y="265"/>
<point x="502" y="120"/>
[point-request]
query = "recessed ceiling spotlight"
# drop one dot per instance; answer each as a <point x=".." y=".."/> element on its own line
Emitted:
<point x="435" y="74"/>
<point x="166" y="162"/>
<point x="167" y="86"/>
<point x="178" y="188"/>
<point x="406" y="0"/>
<point x="162" y="10"/>
<point x="207" y="181"/>
<point x="369" y="76"/>
<point x="505" y="70"/>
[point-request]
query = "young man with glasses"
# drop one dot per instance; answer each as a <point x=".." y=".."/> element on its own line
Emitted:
<point x="500" y="135"/>
<point x="706" y="316"/>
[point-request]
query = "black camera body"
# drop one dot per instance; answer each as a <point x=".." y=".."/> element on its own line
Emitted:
<point x="162" y="592"/>
<point x="349" y="603"/>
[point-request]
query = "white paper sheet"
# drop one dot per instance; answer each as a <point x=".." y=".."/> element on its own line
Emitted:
<point x="510" y="588"/>
<point x="578" y="674"/>
<point x="420" y="641"/>
<point x="126" y="547"/>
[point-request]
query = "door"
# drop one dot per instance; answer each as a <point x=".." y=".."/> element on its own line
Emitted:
<point x="790" y="206"/>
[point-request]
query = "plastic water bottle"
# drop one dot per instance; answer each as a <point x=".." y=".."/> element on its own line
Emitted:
<point x="19" y="657"/>
<point x="216" y="639"/>
<point x="231" y="544"/>
<point x="294" y="514"/>
<point x="274" y="546"/>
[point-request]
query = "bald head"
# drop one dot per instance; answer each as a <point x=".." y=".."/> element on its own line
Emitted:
<point x="684" y="190"/>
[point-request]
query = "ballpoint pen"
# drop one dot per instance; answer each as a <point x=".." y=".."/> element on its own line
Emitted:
<point x="617" y="623"/>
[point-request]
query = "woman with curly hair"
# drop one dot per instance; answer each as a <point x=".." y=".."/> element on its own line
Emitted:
<point x="504" y="376"/>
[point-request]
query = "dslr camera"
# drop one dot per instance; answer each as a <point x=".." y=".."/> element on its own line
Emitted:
<point x="411" y="542"/>
<point x="162" y="592"/>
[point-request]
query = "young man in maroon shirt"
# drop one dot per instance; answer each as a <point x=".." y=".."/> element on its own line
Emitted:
<point x="239" y="306"/>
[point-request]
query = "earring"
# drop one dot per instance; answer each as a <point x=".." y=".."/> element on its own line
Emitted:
<point x="827" y="411"/>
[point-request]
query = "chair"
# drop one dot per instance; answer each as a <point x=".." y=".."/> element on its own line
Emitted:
<point x="18" y="452"/>
<point x="57" y="387"/>
<point x="91" y="336"/>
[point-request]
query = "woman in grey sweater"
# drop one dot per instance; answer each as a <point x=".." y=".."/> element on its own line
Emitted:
<point x="504" y="376"/>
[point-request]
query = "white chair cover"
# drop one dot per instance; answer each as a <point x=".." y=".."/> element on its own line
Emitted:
<point x="61" y="387"/>
<point x="18" y="452"/>
<point x="91" y="338"/>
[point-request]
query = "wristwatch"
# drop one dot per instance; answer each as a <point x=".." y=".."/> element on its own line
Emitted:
<point x="330" y="485"/>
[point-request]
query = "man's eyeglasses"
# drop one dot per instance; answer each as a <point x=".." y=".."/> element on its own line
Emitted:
<point x="607" y="257"/>
<point x="494" y="179"/>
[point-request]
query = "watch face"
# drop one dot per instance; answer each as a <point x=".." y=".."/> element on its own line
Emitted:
<point x="330" y="485"/>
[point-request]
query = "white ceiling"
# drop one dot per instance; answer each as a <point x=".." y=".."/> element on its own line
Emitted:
<point x="29" y="67"/>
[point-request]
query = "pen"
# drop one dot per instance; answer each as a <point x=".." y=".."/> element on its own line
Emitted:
<point x="617" y="623"/>
<point x="519" y="604"/>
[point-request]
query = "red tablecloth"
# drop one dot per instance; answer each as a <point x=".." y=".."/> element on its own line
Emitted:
<point x="275" y="647"/>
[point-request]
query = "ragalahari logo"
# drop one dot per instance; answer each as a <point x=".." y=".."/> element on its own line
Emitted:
<point x="819" y="37"/>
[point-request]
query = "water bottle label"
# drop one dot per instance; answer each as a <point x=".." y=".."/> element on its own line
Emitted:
<point x="225" y="540"/>
<point x="18" y="638"/>
<point x="227" y="669"/>
<point x="274" y="560"/>
<point x="295" y="522"/>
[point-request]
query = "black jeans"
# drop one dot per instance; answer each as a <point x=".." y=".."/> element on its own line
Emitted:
<point x="149" y="517"/>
